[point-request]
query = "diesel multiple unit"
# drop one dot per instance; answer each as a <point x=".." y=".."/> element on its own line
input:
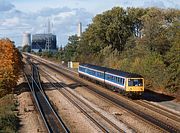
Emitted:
<point x="129" y="83"/>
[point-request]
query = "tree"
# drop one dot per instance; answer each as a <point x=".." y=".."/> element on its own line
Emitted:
<point x="71" y="47"/>
<point x="26" y="48"/>
<point x="135" y="15"/>
<point x="111" y="28"/>
<point x="119" y="30"/>
<point x="10" y="65"/>
<point x="154" y="31"/>
<point x="172" y="58"/>
<point x="144" y="41"/>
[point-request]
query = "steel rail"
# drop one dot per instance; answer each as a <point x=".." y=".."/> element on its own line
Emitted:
<point x="146" y="117"/>
<point x="39" y="97"/>
<point x="79" y="107"/>
<point x="58" y="118"/>
<point x="167" y="110"/>
<point x="174" y="117"/>
<point x="157" y="109"/>
<point x="37" y="103"/>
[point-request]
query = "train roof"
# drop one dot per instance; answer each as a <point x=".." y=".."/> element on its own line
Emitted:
<point x="113" y="71"/>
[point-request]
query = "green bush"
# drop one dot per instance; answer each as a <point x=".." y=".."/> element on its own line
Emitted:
<point x="9" y="123"/>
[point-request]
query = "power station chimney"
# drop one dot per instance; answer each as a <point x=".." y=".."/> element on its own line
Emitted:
<point x="49" y="27"/>
<point x="79" y="29"/>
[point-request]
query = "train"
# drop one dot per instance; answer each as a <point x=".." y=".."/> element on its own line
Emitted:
<point x="129" y="84"/>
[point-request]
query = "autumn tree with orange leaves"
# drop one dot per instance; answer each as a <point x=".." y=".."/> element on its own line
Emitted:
<point x="10" y="66"/>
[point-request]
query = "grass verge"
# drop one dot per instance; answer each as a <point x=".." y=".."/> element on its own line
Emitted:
<point x="9" y="122"/>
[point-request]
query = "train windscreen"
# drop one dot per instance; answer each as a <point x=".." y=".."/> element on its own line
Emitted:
<point x="135" y="82"/>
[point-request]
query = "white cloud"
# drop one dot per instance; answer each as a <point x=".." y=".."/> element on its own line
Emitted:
<point x="64" y="14"/>
<point x="32" y="16"/>
<point x="64" y="22"/>
<point x="10" y="22"/>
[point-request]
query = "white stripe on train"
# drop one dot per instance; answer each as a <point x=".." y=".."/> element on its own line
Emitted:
<point x="102" y="80"/>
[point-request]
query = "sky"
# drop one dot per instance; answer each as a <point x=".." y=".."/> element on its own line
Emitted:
<point x="20" y="16"/>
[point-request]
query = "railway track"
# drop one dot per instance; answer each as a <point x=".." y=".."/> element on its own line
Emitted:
<point x="96" y="117"/>
<point x="169" y="114"/>
<point x="148" y="118"/>
<point x="51" y="119"/>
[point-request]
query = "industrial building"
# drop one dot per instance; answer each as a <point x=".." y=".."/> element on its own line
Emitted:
<point x="43" y="42"/>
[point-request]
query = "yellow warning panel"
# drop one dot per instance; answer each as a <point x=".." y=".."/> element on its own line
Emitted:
<point x="75" y="64"/>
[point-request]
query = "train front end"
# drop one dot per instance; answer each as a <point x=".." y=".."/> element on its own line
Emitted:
<point x="135" y="86"/>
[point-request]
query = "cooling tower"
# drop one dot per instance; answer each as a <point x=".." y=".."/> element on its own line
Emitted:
<point x="26" y="39"/>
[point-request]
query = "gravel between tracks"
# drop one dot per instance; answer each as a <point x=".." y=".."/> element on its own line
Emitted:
<point x="73" y="118"/>
<point x="110" y="109"/>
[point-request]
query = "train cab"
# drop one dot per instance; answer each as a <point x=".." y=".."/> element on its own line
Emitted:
<point x="135" y="85"/>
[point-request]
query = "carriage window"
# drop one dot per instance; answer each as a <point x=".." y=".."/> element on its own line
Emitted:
<point x="135" y="82"/>
<point x="122" y="81"/>
<point x="113" y="78"/>
<point x="98" y="74"/>
<point x="116" y="79"/>
<point x="82" y="69"/>
<point x="101" y="75"/>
